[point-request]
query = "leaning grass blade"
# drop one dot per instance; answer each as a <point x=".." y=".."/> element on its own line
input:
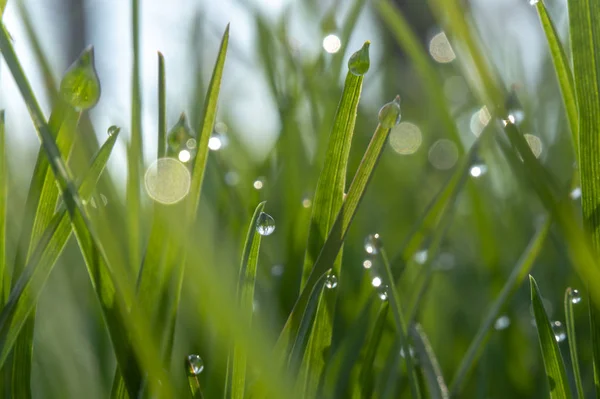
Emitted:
<point x="366" y="376"/>
<point x="553" y="362"/>
<point x="4" y="278"/>
<point x="436" y="385"/>
<point x="563" y="73"/>
<point x="327" y="203"/>
<point x="572" y="297"/>
<point x="247" y="281"/>
<point x="516" y="278"/>
<point x="162" y="107"/>
<point x="110" y="283"/>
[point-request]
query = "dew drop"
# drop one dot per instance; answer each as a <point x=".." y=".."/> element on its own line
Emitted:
<point x="216" y="142"/>
<point x="113" y="130"/>
<point x="575" y="297"/>
<point x="372" y="243"/>
<point x="575" y="193"/>
<point x="382" y="292"/>
<point x="376" y="282"/>
<point x="367" y="263"/>
<point x="533" y="2"/>
<point x="332" y="43"/>
<point x="502" y="323"/>
<point x="359" y="62"/>
<point x="478" y="170"/>
<point x="559" y="331"/>
<point x="389" y="115"/>
<point x="80" y="86"/>
<point x="331" y="281"/>
<point x="259" y="183"/>
<point x="411" y="352"/>
<point x="179" y="135"/>
<point x="421" y="257"/>
<point x="265" y="225"/>
<point x="184" y="156"/>
<point x="306" y="202"/>
<point x="194" y="364"/>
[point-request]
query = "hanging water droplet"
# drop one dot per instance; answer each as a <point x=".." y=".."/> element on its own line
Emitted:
<point x="372" y="243"/>
<point x="575" y="297"/>
<point x="575" y="193"/>
<point x="501" y="323"/>
<point x="367" y="263"/>
<point x="559" y="331"/>
<point x="478" y="170"/>
<point x="376" y="282"/>
<point x="389" y="115"/>
<point x="382" y="292"/>
<point x="80" y="86"/>
<point x="265" y="225"/>
<point x="179" y="135"/>
<point x="331" y="281"/>
<point x="420" y="257"/>
<point x="259" y="183"/>
<point x="113" y="130"/>
<point x="194" y="364"/>
<point x="359" y="62"/>
<point x="533" y="2"/>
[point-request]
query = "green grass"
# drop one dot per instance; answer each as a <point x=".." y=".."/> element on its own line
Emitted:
<point x="192" y="298"/>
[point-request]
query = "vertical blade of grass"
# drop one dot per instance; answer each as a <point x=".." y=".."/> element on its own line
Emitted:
<point x="366" y="372"/>
<point x="436" y="385"/>
<point x="553" y="362"/>
<point x="571" y="299"/>
<point x="4" y="278"/>
<point x="516" y="278"/>
<point x="247" y="281"/>
<point x="162" y="107"/>
<point x="193" y="382"/>
<point x="327" y="203"/>
<point x="563" y="73"/>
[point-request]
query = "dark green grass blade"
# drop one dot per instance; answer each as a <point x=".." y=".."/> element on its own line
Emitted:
<point x="516" y="278"/>
<point x="436" y="386"/>
<point x="4" y="278"/>
<point x="595" y="333"/>
<point x="553" y="362"/>
<point x="387" y="383"/>
<point x="246" y="284"/>
<point x="572" y="338"/>
<point x="195" y="389"/>
<point x="327" y="203"/>
<point x="563" y="73"/>
<point x="366" y="376"/>
<point x="162" y="107"/>
<point x="110" y="284"/>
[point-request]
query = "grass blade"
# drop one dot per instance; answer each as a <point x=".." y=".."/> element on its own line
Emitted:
<point x="247" y="281"/>
<point x="516" y="278"/>
<point x="572" y="297"/>
<point x="162" y="107"/>
<point x="366" y="372"/>
<point x="327" y="203"/>
<point x="563" y="73"/>
<point x="4" y="278"/>
<point x="193" y="382"/>
<point x="433" y="374"/>
<point x="553" y="362"/>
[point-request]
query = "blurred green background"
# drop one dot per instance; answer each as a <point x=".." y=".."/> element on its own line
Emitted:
<point x="281" y="85"/>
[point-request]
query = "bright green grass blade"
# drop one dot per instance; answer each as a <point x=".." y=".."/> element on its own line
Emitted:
<point x="563" y="73"/>
<point x="31" y="282"/>
<point x="436" y="386"/>
<point x="572" y="297"/>
<point x="4" y="278"/>
<point x="2" y="7"/>
<point x="595" y="333"/>
<point x="516" y="278"/>
<point x="399" y="320"/>
<point x="193" y="382"/>
<point x="388" y="377"/>
<point x="246" y="284"/>
<point x="366" y="376"/>
<point x="326" y="204"/>
<point x="336" y="236"/>
<point x="162" y="107"/>
<point x="110" y="284"/>
<point x="553" y="362"/>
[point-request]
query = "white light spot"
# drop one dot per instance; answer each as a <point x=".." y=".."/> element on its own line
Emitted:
<point x="367" y="264"/>
<point x="479" y="120"/>
<point x="576" y="193"/>
<point x="332" y="43"/>
<point x="258" y="184"/>
<point x="376" y="282"/>
<point x="184" y="156"/>
<point x="405" y="138"/>
<point x="440" y="49"/>
<point x="167" y="181"/>
<point x="214" y="142"/>
<point x="306" y="202"/>
<point x="190" y="144"/>
<point x="535" y="144"/>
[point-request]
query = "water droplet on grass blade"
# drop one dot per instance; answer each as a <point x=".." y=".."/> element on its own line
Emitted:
<point x="420" y="257"/>
<point x="80" y="86"/>
<point x="576" y="193"/>
<point x="332" y="43"/>
<point x="376" y="282"/>
<point x="179" y="135"/>
<point x="216" y="142"/>
<point x="382" y="292"/>
<point x="306" y="202"/>
<point x="265" y="225"/>
<point x="501" y="323"/>
<point x="533" y="2"/>
<point x="194" y="364"/>
<point x="575" y="297"/>
<point x="389" y="115"/>
<point x="478" y="170"/>
<point x="113" y="130"/>
<point x="372" y="243"/>
<point x="359" y="62"/>
<point x="184" y="156"/>
<point x="259" y="183"/>
<point x="559" y="331"/>
<point x="367" y="263"/>
<point x="331" y="281"/>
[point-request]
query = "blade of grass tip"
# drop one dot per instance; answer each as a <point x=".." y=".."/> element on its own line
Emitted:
<point x="563" y="73"/>
<point x="515" y="279"/>
<point x="162" y="107"/>
<point x="553" y="361"/>
<point x="193" y="370"/>
<point x="436" y="385"/>
<point x="245" y="291"/>
<point x="326" y="204"/>
<point x="399" y="320"/>
<point x="4" y="277"/>
<point x="366" y="371"/>
<point x="388" y="116"/>
<point x="110" y="284"/>
<point x="28" y="287"/>
<point x="572" y="297"/>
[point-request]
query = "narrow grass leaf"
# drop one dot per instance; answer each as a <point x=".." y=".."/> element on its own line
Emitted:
<point x="366" y="376"/>
<point x="162" y="107"/>
<point x="572" y="297"/>
<point x="4" y="277"/>
<point x="436" y="386"/>
<point x="553" y="362"/>
<point x="192" y="376"/>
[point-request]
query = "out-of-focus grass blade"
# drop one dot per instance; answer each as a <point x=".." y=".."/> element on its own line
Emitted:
<point x="387" y="381"/>
<point x="4" y="278"/>
<point x="436" y="385"/>
<point x="162" y="107"/>
<point x="572" y="297"/>
<point x="366" y="372"/>
<point x="111" y="284"/>
<point x="326" y="204"/>
<point x="2" y="7"/>
<point x="563" y="73"/>
<point x="247" y="281"/>
<point x="595" y="332"/>
<point x="518" y="274"/>
<point x="29" y="286"/>
<point x="553" y="362"/>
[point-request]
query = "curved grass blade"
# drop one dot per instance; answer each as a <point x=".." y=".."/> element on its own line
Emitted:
<point x="4" y="277"/>
<point x="162" y="107"/>
<point x="366" y="371"/>
<point x="563" y="73"/>
<point x="247" y="281"/>
<point x="572" y="297"/>
<point x="553" y="362"/>
<point x="516" y="278"/>
<point x="436" y="385"/>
